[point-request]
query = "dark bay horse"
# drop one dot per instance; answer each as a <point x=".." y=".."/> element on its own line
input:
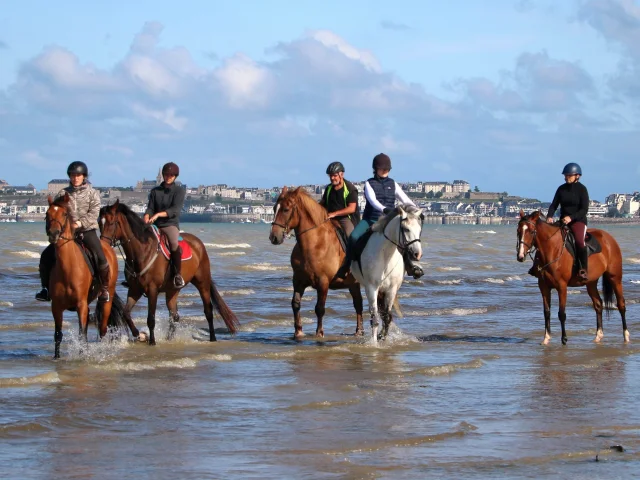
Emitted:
<point x="71" y="285"/>
<point x="149" y="272"/>
<point x="556" y="271"/>
<point x="316" y="257"/>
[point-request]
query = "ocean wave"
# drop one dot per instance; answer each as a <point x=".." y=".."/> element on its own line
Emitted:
<point x="227" y="245"/>
<point x="141" y="367"/>
<point x="485" y="231"/>
<point x="458" y="312"/>
<point x="493" y="280"/>
<point x="456" y="281"/>
<point x="27" y="254"/>
<point x="265" y="267"/>
<point x="38" y="243"/>
<point x="633" y="260"/>
<point x="240" y="291"/>
<point x="5" y="304"/>
<point x="512" y="278"/>
<point x="448" y="369"/>
<point x="448" y="269"/>
<point x="42" y="379"/>
<point x="32" y="325"/>
<point x="231" y="254"/>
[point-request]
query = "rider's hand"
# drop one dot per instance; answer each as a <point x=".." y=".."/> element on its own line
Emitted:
<point x="78" y="224"/>
<point x="331" y="215"/>
<point x="566" y="220"/>
<point x="386" y="211"/>
<point x="147" y="219"/>
<point x="549" y="219"/>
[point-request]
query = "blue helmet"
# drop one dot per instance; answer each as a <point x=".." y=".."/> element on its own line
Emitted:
<point x="572" y="169"/>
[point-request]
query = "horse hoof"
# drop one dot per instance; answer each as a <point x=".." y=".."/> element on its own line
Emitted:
<point x="142" y="337"/>
<point x="152" y="343"/>
<point x="564" y="340"/>
<point x="320" y="334"/>
<point x="627" y="337"/>
<point x="545" y="341"/>
<point x="298" y="336"/>
<point x="359" y="333"/>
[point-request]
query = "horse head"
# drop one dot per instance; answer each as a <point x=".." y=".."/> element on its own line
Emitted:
<point x="527" y="231"/>
<point x="407" y="222"/>
<point x="57" y="218"/>
<point x="285" y="215"/>
<point x="110" y="228"/>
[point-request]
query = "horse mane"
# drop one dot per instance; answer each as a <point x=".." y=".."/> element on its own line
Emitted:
<point x="138" y="227"/>
<point x="316" y="212"/>
<point x="384" y="220"/>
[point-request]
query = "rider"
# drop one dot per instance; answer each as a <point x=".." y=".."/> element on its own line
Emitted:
<point x="573" y="199"/>
<point x="381" y="193"/>
<point x="84" y="211"/>
<point x="340" y="198"/>
<point x="165" y="205"/>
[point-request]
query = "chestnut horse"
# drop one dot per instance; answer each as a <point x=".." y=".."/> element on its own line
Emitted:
<point x="556" y="270"/>
<point x="315" y="258"/>
<point x="148" y="270"/>
<point x="71" y="285"/>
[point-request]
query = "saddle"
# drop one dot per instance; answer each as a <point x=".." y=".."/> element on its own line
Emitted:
<point x="89" y="257"/>
<point x="163" y="242"/>
<point x="341" y="234"/>
<point x="592" y="244"/>
<point x="360" y="245"/>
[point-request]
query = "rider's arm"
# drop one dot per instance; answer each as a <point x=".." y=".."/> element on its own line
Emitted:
<point x="403" y="197"/>
<point x="370" y="195"/>
<point x="176" y="206"/>
<point x="150" y="207"/>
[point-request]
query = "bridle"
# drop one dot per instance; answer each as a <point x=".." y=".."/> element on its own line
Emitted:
<point x="402" y="243"/>
<point x="62" y="225"/>
<point x="532" y="247"/>
<point x="286" y="228"/>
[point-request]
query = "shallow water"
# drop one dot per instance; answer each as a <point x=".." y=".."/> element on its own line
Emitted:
<point x="461" y="389"/>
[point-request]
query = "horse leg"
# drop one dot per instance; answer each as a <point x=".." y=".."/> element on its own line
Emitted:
<point x="152" y="298"/>
<point x="298" y="292"/>
<point x="106" y="312"/>
<point x="387" y="305"/>
<point x="171" y="298"/>
<point x="204" y="287"/>
<point x="132" y="299"/>
<point x="323" y="290"/>
<point x="384" y="316"/>
<point x="83" y="320"/>
<point x="57" y="335"/>
<point x="622" y="308"/>
<point x="592" y="290"/>
<point x="356" y="295"/>
<point x="545" y="291"/>
<point x="562" y="316"/>
<point x="372" y="299"/>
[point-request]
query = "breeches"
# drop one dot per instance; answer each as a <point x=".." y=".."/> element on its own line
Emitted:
<point x="172" y="234"/>
<point x="579" y="230"/>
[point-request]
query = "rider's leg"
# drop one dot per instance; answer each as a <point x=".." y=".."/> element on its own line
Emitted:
<point x="47" y="260"/>
<point x="579" y="230"/>
<point x="173" y="235"/>
<point x="92" y="241"/>
<point x="356" y="233"/>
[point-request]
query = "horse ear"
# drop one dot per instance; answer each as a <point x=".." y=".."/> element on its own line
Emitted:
<point x="285" y="189"/>
<point x="521" y="213"/>
<point x="50" y="200"/>
<point x="402" y="213"/>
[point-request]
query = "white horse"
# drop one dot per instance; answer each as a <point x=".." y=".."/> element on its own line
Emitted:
<point x="381" y="267"/>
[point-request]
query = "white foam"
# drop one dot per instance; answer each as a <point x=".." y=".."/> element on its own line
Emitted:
<point x="27" y="254"/>
<point x="457" y="281"/>
<point x="266" y="267"/>
<point x="512" y="278"/>
<point x="42" y="379"/>
<point x="484" y="231"/>
<point x="493" y="280"/>
<point x="37" y="243"/>
<point x="227" y="245"/>
<point x="479" y="244"/>
<point x="140" y="367"/>
<point x="632" y="281"/>
<point x="240" y="291"/>
<point x="449" y="269"/>
<point x="231" y="254"/>
<point x="6" y="304"/>
<point x="633" y="260"/>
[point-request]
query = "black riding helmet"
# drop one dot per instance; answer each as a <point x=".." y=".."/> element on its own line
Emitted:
<point x="79" y="168"/>
<point x="381" y="161"/>
<point x="335" y="167"/>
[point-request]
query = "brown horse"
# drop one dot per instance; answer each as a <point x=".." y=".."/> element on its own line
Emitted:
<point x="316" y="257"/>
<point x="71" y="285"/>
<point x="556" y="270"/>
<point x="149" y="272"/>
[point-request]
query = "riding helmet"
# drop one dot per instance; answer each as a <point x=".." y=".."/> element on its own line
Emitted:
<point x="382" y="161"/>
<point x="170" y="169"/>
<point x="335" y="167"/>
<point x="79" y="168"/>
<point x="572" y="169"/>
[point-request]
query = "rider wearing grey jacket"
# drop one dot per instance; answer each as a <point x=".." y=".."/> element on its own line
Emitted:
<point x="84" y="210"/>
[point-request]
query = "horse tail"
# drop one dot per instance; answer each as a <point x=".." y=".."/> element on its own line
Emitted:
<point x="607" y="290"/>
<point x="223" y="309"/>
<point x="116" y="317"/>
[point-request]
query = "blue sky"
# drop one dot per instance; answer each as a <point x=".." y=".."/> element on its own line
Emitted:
<point x="501" y="94"/>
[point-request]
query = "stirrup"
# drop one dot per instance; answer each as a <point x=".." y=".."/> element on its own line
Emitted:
<point x="43" y="295"/>
<point x="583" y="274"/>
<point x="178" y="281"/>
<point x="102" y="298"/>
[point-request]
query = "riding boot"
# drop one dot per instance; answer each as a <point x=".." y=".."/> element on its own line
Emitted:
<point x="533" y="271"/>
<point x="46" y="264"/>
<point x="412" y="267"/>
<point x="176" y="261"/>
<point x="583" y="256"/>
<point x="105" y="271"/>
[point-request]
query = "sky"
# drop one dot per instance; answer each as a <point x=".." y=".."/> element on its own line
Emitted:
<point x="501" y="94"/>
